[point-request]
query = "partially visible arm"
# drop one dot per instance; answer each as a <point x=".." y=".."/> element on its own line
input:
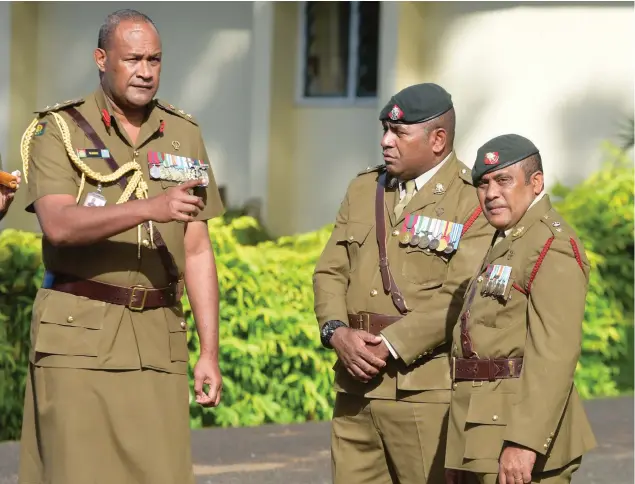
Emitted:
<point x="555" y="315"/>
<point x="330" y="278"/>
<point x="201" y="282"/>
<point x="429" y="326"/>
<point x="65" y="223"/>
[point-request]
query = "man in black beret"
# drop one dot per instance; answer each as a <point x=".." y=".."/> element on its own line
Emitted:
<point x="388" y="289"/>
<point x="515" y="415"/>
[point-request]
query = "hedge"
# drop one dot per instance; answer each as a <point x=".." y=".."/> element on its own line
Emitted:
<point x="274" y="369"/>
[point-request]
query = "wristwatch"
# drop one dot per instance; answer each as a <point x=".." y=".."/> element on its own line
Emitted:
<point x="327" y="332"/>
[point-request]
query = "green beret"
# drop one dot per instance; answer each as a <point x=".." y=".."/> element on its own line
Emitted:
<point x="501" y="152"/>
<point x="417" y="104"/>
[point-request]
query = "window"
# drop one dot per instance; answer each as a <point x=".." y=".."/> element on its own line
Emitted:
<point x="340" y="50"/>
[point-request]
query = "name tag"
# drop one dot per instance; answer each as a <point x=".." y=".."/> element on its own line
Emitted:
<point x="93" y="153"/>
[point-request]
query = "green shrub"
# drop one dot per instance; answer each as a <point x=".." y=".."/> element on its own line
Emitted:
<point x="601" y="211"/>
<point x="274" y="369"/>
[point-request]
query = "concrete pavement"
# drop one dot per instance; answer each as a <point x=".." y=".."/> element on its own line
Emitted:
<point x="299" y="454"/>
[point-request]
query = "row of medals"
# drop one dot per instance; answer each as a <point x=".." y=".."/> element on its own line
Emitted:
<point x="439" y="235"/>
<point x="180" y="174"/>
<point x="496" y="280"/>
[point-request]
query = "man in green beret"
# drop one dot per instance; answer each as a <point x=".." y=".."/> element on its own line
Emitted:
<point x="515" y="415"/>
<point x="388" y="288"/>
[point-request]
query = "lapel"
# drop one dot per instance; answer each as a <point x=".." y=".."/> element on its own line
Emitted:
<point x="426" y="196"/>
<point x="533" y="215"/>
<point x="390" y="196"/>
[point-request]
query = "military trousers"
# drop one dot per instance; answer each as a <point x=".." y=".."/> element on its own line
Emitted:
<point x="557" y="476"/>
<point x="104" y="427"/>
<point x="375" y="441"/>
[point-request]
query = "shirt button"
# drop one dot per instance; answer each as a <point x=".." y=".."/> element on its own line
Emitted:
<point x="145" y="243"/>
<point x="464" y="171"/>
<point x="546" y="446"/>
<point x="373" y="292"/>
<point x="395" y="232"/>
<point x="183" y="325"/>
<point x="351" y="238"/>
<point x="135" y="153"/>
<point x="70" y="319"/>
<point x="454" y="385"/>
<point x="480" y="279"/>
<point x="494" y="418"/>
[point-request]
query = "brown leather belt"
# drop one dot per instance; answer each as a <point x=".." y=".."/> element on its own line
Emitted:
<point x="135" y="298"/>
<point x="477" y="369"/>
<point x="371" y="322"/>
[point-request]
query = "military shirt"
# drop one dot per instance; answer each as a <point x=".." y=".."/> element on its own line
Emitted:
<point x="536" y="314"/>
<point x="347" y="280"/>
<point x="77" y="332"/>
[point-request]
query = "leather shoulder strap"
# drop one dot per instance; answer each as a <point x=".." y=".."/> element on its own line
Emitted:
<point x="164" y="253"/>
<point x="384" y="268"/>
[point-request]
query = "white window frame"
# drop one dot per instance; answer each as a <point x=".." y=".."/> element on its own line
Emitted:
<point x="338" y="101"/>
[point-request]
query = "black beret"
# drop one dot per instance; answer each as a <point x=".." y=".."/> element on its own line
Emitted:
<point x="417" y="104"/>
<point x="500" y="152"/>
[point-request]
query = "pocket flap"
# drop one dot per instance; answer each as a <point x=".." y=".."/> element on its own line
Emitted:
<point x="356" y="233"/>
<point x="68" y="310"/>
<point x="176" y="324"/>
<point x="488" y="409"/>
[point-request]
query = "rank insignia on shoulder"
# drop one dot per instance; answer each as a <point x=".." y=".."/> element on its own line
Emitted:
<point x="496" y="280"/>
<point x="430" y="233"/>
<point x="169" y="167"/>
<point x="40" y="128"/>
<point x="370" y="169"/>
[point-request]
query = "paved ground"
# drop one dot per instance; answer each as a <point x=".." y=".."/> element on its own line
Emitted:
<point x="299" y="454"/>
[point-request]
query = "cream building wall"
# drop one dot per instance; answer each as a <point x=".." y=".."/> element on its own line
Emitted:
<point x="5" y="73"/>
<point x="316" y="148"/>
<point x="560" y="73"/>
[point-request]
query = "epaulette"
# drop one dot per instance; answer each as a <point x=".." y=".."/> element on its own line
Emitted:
<point x="465" y="174"/>
<point x="379" y="168"/>
<point x="554" y="223"/>
<point x="59" y="106"/>
<point x="170" y="108"/>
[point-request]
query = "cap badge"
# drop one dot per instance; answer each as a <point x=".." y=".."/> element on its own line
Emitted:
<point x="396" y="113"/>
<point x="491" y="158"/>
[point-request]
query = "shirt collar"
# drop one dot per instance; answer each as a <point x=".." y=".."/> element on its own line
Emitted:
<point x="424" y="178"/>
<point x="536" y="200"/>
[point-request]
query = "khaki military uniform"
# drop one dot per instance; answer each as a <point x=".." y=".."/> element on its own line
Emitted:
<point x="402" y="412"/>
<point x="107" y="397"/>
<point x="533" y="330"/>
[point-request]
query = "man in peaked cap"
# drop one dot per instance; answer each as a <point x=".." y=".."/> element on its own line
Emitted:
<point x="388" y="288"/>
<point x="122" y="187"/>
<point x="515" y="415"/>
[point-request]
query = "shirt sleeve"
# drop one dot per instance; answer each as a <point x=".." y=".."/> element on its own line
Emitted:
<point x="210" y="194"/>
<point x="49" y="171"/>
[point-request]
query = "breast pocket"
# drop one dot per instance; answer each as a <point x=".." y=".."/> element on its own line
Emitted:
<point x="354" y="237"/>
<point x="424" y="267"/>
<point x="69" y="325"/>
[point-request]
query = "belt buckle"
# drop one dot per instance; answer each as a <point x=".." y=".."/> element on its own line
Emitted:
<point x="364" y="322"/>
<point x="133" y="293"/>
